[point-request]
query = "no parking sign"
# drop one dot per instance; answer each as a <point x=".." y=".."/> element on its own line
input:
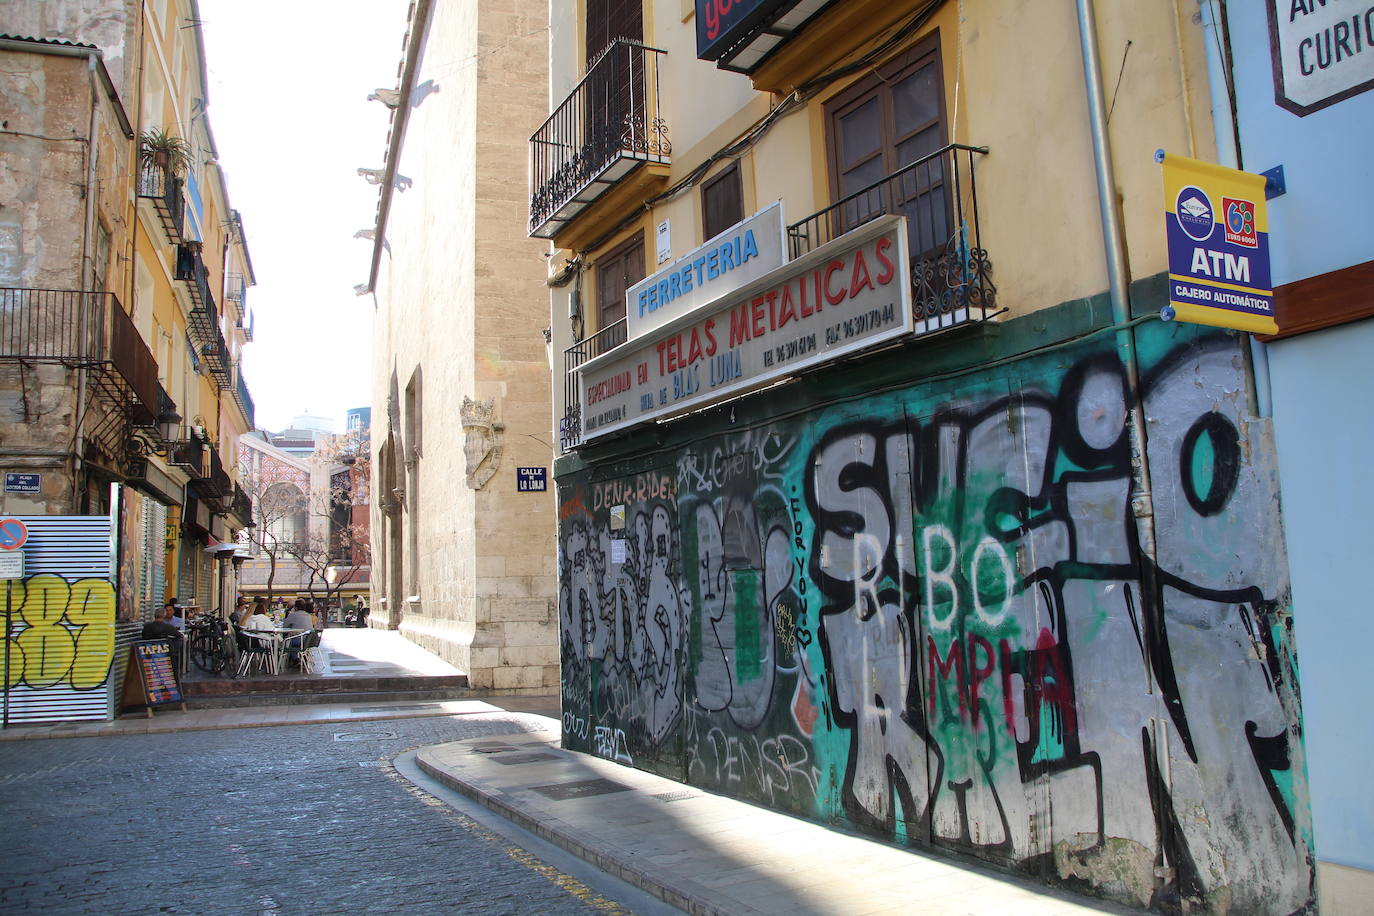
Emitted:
<point x="13" y="534"/>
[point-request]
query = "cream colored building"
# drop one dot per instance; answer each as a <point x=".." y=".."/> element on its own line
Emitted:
<point x="901" y="509"/>
<point x="462" y="552"/>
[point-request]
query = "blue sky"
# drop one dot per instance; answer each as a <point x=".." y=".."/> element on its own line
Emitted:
<point x="288" y="107"/>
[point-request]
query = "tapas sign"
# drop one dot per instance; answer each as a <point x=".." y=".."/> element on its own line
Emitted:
<point x="151" y="679"/>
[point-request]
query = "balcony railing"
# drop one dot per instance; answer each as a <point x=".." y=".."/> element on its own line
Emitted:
<point x="83" y="329"/>
<point x="188" y="453"/>
<point x="607" y="126"/>
<point x="241" y="395"/>
<point x="204" y="319"/>
<point x="235" y="290"/>
<point x="950" y="268"/>
<point x="158" y="184"/>
<point x="241" y="506"/>
<point x="191" y="270"/>
<point x="216" y="483"/>
<point x="603" y="341"/>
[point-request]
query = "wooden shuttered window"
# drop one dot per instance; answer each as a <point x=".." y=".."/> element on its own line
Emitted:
<point x="617" y="271"/>
<point x="891" y="119"/>
<point x="722" y="202"/>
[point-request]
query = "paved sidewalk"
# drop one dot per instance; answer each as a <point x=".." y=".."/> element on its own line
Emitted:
<point x="711" y="855"/>
<point x="167" y="719"/>
<point x="365" y="652"/>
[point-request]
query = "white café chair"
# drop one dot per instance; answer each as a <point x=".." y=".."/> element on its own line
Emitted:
<point x="300" y="651"/>
<point x="263" y="650"/>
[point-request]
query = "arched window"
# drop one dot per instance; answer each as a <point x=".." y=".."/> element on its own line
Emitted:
<point x="283" y="512"/>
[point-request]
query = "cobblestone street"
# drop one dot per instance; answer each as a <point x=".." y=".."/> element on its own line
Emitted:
<point x="264" y="821"/>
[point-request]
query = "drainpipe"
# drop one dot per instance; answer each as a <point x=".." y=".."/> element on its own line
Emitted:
<point x="1142" y="502"/>
<point x="87" y="281"/>
<point x="1114" y="242"/>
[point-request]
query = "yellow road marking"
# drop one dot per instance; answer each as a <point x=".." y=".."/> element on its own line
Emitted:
<point x="564" y="882"/>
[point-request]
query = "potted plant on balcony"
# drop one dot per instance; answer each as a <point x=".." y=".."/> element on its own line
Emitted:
<point x="167" y="151"/>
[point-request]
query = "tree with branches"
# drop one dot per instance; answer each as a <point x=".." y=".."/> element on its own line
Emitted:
<point x="339" y="547"/>
<point x="280" y="516"/>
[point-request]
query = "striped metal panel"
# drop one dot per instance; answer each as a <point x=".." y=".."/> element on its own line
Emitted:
<point x="126" y="634"/>
<point x="154" y="539"/>
<point x="60" y="644"/>
<point x="71" y="546"/>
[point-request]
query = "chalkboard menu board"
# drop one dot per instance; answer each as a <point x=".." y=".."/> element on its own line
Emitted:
<point x="151" y="679"/>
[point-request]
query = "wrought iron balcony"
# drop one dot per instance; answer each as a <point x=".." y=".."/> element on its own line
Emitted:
<point x="86" y="330"/>
<point x="241" y="395"/>
<point x="191" y="270"/>
<point x="204" y="319"/>
<point x="235" y="290"/>
<point x="158" y="184"/>
<point x="240" y="505"/>
<point x="188" y="453"/>
<point x="950" y="268"/>
<point x="216" y="483"/>
<point x="603" y="341"/>
<point x="607" y="126"/>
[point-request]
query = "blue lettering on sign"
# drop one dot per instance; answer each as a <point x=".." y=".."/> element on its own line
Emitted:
<point x="531" y="480"/>
<point x="720" y="260"/>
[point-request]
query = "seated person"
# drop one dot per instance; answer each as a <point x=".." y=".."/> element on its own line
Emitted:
<point x="175" y="616"/>
<point x="259" y="620"/>
<point x="300" y="618"/>
<point x="160" y="628"/>
<point x="247" y="612"/>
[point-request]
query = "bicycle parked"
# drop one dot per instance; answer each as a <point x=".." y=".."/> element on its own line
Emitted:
<point x="213" y="646"/>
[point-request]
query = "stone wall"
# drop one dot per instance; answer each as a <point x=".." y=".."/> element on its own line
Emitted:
<point x="465" y="561"/>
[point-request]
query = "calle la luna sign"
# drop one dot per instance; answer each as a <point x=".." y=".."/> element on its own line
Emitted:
<point x="1323" y="51"/>
<point x="849" y="295"/>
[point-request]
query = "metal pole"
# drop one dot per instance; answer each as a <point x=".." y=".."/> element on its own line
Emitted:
<point x="1142" y="503"/>
<point x="9" y="625"/>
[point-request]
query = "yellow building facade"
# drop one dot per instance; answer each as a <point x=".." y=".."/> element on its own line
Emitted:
<point x="140" y="417"/>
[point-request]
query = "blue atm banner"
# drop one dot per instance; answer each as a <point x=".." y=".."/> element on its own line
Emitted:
<point x="1218" y="236"/>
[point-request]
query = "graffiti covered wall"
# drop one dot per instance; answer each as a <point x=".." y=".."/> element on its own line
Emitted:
<point x="926" y="614"/>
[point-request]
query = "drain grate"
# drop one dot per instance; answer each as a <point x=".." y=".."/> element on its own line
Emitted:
<point x="494" y="749"/>
<point x="396" y="708"/>
<point x="566" y="791"/>
<point x="513" y="759"/>
<point x="364" y="736"/>
<point x="679" y="795"/>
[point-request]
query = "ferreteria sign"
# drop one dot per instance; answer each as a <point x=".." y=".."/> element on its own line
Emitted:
<point x="849" y="295"/>
<point x="739" y="255"/>
<point x="1323" y="51"/>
